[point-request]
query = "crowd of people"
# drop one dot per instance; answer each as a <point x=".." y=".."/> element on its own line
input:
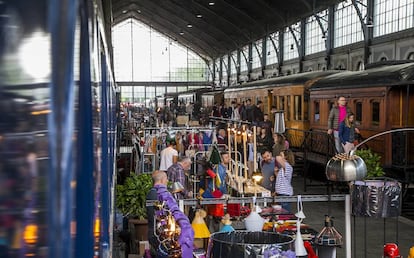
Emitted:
<point x="275" y="160"/>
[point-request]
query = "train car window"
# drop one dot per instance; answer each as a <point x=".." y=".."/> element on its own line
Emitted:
<point x="375" y="113"/>
<point x="281" y="102"/>
<point x="316" y="114"/>
<point x="288" y="105"/>
<point x="305" y="107"/>
<point x="331" y="104"/>
<point x="274" y="103"/>
<point x="265" y="105"/>
<point x="358" y="111"/>
<point x="297" y="107"/>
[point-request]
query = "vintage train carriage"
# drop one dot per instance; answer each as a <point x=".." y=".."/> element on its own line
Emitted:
<point x="209" y="98"/>
<point x="382" y="98"/>
<point x="192" y="96"/>
<point x="288" y="93"/>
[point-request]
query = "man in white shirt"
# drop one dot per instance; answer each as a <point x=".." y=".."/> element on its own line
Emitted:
<point x="169" y="155"/>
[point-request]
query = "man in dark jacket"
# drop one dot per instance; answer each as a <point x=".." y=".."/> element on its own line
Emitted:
<point x="257" y="113"/>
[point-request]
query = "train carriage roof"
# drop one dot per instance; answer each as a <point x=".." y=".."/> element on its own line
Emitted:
<point x="299" y="78"/>
<point x="382" y="75"/>
<point x="212" y="92"/>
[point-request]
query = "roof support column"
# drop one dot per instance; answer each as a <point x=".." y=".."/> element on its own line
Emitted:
<point x="367" y="26"/>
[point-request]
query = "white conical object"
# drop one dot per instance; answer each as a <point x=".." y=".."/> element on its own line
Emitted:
<point x="299" y="246"/>
<point x="254" y="222"/>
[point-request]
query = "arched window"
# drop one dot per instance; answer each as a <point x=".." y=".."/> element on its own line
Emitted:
<point x="271" y="57"/>
<point x="347" y="26"/>
<point x="315" y="35"/>
<point x="142" y="54"/>
<point x="290" y="50"/>
<point x="257" y="54"/>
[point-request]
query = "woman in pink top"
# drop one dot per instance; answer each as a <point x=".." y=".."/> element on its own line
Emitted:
<point x="336" y="116"/>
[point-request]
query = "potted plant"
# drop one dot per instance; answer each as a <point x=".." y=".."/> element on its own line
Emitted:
<point x="131" y="196"/>
<point x="130" y="199"/>
<point x="372" y="161"/>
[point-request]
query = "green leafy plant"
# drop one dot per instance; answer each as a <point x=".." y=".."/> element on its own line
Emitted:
<point x="372" y="161"/>
<point x="130" y="198"/>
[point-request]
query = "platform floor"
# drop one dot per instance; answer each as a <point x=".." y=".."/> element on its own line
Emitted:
<point x="368" y="235"/>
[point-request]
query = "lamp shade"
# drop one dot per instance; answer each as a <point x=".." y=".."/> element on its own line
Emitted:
<point x="177" y="187"/>
<point x="257" y="176"/>
<point x="199" y="225"/>
<point x="343" y="167"/>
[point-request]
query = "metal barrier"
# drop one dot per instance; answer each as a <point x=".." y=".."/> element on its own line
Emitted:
<point x="194" y="176"/>
<point x="313" y="147"/>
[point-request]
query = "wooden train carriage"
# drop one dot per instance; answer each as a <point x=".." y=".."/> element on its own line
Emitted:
<point x="288" y="93"/>
<point x="209" y="98"/>
<point x="382" y="99"/>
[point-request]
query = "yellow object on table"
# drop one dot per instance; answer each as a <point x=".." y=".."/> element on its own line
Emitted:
<point x="199" y="225"/>
<point x="252" y="189"/>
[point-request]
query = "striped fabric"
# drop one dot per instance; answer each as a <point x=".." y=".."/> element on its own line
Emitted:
<point x="283" y="180"/>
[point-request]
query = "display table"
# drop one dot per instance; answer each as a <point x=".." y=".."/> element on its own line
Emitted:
<point x="249" y="188"/>
<point x="256" y="189"/>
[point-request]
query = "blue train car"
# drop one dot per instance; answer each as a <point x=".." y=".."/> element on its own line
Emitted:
<point x="57" y="130"/>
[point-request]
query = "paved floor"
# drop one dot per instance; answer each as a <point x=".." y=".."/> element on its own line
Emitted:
<point x="368" y="235"/>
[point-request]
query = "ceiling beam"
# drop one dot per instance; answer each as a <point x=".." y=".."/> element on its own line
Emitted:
<point x="241" y="15"/>
<point x="224" y="21"/>
<point x="218" y="31"/>
<point x="263" y="5"/>
<point x="198" y="26"/>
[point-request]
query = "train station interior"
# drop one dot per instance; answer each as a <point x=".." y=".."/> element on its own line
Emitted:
<point x="207" y="128"/>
